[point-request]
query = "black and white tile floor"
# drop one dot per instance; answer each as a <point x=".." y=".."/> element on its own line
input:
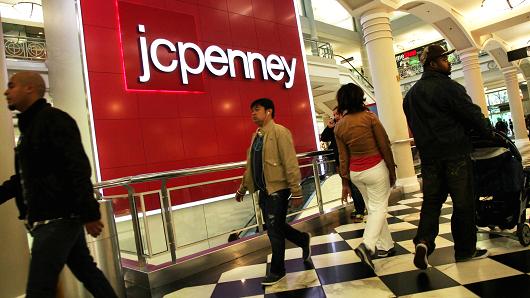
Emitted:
<point x="336" y="271"/>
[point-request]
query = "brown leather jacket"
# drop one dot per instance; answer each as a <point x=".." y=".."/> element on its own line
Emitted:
<point x="280" y="165"/>
<point x="362" y="134"/>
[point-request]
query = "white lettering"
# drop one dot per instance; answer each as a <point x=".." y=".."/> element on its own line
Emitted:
<point x="146" y="74"/>
<point x="184" y="67"/>
<point x="274" y="63"/>
<point x="215" y="59"/>
<point x="253" y="56"/>
<point x="221" y="59"/>
<point x="154" y="56"/>
<point x="232" y="54"/>
<point x="290" y="72"/>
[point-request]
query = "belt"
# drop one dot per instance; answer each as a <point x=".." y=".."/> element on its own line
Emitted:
<point x="32" y="226"/>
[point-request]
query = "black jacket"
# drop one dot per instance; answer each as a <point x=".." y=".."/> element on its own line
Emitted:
<point x="441" y="115"/>
<point x="328" y="135"/>
<point x="52" y="177"/>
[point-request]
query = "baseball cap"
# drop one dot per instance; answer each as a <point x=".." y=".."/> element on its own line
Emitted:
<point x="432" y="52"/>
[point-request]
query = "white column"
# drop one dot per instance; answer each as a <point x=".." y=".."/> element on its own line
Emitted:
<point x="308" y="9"/>
<point x="65" y="68"/>
<point x="364" y="55"/>
<point x="14" y="259"/>
<point x="516" y="109"/>
<point x="378" y="41"/>
<point x="473" y="78"/>
<point x="67" y="88"/>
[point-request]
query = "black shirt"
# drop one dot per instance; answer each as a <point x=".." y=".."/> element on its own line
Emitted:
<point x="52" y="177"/>
<point x="257" y="162"/>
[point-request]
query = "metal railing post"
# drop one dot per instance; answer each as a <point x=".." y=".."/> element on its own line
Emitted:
<point x="168" y="220"/>
<point x="109" y="261"/>
<point x="136" y="226"/>
<point x="146" y="227"/>
<point x="316" y="176"/>
<point x="257" y="210"/>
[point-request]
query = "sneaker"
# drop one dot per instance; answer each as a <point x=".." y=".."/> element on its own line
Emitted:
<point x="420" y="257"/>
<point x="272" y="278"/>
<point x="479" y="254"/>
<point x="364" y="254"/>
<point x="306" y="250"/>
<point x="385" y="253"/>
<point x="357" y="218"/>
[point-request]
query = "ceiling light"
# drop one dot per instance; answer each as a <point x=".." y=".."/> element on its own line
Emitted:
<point x="28" y="9"/>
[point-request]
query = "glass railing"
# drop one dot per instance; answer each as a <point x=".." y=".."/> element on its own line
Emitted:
<point x="319" y="48"/>
<point x="325" y="50"/>
<point x="26" y="48"/>
<point x="154" y="230"/>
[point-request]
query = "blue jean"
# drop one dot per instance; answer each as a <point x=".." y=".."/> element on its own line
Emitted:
<point x="455" y="177"/>
<point x="274" y="208"/>
<point x="56" y="244"/>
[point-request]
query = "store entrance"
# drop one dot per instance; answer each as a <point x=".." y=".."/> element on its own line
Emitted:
<point x="499" y="111"/>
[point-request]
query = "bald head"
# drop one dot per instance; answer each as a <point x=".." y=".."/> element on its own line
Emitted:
<point x="24" y="89"/>
<point x="32" y="79"/>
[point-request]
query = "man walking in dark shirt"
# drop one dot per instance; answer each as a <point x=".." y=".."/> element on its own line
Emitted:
<point x="440" y="114"/>
<point x="53" y="191"/>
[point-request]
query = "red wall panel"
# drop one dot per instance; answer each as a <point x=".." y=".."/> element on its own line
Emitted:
<point x="159" y="125"/>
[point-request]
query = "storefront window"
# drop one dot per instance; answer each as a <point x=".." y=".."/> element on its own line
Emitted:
<point x="499" y="108"/>
<point x="408" y="63"/>
<point x="497" y="97"/>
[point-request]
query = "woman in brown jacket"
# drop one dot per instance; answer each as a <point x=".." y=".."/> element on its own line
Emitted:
<point x="366" y="159"/>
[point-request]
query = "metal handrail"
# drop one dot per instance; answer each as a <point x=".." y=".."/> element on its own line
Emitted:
<point x="140" y="216"/>
<point x="402" y="141"/>
<point x="23" y="47"/>
<point x="324" y="48"/>
<point x="355" y="69"/>
<point x="143" y="246"/>
<point x="187" y="172"/>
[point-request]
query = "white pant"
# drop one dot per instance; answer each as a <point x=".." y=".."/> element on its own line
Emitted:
<point x="374" y="185"/>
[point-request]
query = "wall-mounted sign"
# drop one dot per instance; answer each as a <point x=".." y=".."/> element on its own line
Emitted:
<point x="407" y="54"/>
<point x="169" y="57"/>
<point x="215" y="59"/>
<point x="171" y="84"/>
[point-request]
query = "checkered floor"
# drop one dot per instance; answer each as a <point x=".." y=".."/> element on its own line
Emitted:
<point x="336" y="271"/>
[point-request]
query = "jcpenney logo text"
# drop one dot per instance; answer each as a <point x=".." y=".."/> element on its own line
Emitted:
<point x="215" y="59"/>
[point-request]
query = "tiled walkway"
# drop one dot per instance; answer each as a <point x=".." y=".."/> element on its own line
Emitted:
<point x="336" y="271"/>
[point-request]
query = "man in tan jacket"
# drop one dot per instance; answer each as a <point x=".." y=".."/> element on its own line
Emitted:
<point x="272" y="169"/>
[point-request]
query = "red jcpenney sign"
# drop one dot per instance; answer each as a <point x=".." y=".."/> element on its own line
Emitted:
<point x="161" y="52"/>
